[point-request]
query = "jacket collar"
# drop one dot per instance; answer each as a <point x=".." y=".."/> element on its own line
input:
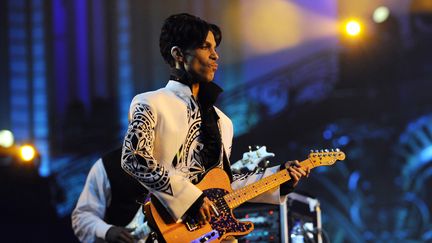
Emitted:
<point x="180" y="84"/>
<point x="181" y="90"/>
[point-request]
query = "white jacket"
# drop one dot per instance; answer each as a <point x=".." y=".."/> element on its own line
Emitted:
<point x="162" y="142"/>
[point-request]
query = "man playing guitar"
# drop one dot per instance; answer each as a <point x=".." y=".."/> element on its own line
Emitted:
<point x="176" y="134"/>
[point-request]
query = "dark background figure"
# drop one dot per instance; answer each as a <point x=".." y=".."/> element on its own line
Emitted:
<point x="108" y="203"/>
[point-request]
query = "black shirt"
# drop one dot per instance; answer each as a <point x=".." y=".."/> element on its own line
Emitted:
<point x="209" y="129"/>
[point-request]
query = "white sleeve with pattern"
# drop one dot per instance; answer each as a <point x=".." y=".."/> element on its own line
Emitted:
<point x="175" y="192"/>
<point x="87" y="217"/>
<point x="272" y="196"/>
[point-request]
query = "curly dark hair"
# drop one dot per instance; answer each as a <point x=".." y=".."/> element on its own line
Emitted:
<point x="185" y="31"/>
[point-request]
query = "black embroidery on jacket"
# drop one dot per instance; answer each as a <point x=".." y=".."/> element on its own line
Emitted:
<point x="138" y="157"/>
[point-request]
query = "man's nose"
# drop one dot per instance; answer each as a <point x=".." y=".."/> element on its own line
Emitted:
<point x="214" y="55"/>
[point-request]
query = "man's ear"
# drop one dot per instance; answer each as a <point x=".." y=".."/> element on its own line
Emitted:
<point x="177" y="54"/>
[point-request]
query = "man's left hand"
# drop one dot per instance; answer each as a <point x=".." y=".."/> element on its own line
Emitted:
<point x="117" y="234"/>
<point x="296" y="172"/>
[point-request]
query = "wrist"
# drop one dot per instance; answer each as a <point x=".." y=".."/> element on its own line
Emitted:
<point x="102" y="229"/>
<point x="196" y="205"/>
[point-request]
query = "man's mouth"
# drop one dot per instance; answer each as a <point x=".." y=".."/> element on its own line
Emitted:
<point x="214" y="66"/>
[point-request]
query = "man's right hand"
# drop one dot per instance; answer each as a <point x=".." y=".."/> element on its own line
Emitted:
<point x="206" y="211"/>
<point x="118" y="235"/>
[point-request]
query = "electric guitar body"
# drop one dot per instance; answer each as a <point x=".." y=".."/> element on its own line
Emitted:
<point x="223" y="225"/>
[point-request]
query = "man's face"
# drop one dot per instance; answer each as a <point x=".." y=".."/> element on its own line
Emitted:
<point x="201" y="62"/>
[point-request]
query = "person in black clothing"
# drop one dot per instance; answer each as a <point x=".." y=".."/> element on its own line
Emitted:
<point x="107" y="203"/>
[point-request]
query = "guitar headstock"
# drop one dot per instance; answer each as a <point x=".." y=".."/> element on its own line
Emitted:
<point x="253" y="160"/>
<point x="325" y="157"/>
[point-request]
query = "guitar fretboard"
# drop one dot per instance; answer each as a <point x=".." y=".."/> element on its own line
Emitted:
<point x="242" y="195"/>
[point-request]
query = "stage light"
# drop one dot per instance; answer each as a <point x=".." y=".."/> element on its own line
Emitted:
<point x="353" y="28"/>
<point x="27" y="152"/>
<point x="6" y="138"/>
<point x="381" y="14"/>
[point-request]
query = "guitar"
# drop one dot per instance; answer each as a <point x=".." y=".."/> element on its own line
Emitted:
<point x="216" y="186"/>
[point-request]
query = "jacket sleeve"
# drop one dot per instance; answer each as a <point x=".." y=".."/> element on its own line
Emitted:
<point x="87" y="217"/>
<point x="174" y="191"/>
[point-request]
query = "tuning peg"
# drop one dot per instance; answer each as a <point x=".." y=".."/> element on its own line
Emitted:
<point x="257" y="147"/>
<point x="250" y="148"/>
<point x="337" y="150"/>
<point x="326" y="150"/>
<point x="332" y="150"/>
<point x="316" y="151"/>
<point x="321" y="151"/>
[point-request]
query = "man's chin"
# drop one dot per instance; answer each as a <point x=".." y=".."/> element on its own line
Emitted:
<point x="206" y="79"/>
<point x="210" y="78"/>
<point x="203" y="79"/>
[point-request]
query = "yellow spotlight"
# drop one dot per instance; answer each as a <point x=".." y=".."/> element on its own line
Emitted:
<point x="27" y="152"/>
<point x="6" y="138"/>
<point x="353" y="28"/>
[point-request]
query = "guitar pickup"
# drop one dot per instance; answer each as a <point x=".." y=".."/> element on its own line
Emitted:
<point x="191" y="226"/>
<point x="210" y="236"/>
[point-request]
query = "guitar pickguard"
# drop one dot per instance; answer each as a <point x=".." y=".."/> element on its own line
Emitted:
<point x="225" y="223"/>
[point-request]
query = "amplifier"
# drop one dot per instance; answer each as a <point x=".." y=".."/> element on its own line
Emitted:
<point x="266" y="219"/>
<point x="297" y="220"/>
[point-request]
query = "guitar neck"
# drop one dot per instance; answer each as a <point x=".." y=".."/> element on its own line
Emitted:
<point x="242" y="195"/>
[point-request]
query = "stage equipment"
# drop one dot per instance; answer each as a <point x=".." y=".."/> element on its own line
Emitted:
<point x="298" y="220"/>
<point x="304" y="219"/>
<point x="269" y="221"/>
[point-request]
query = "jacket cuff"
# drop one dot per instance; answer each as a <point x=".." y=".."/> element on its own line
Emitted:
<point x="193" y="209"/>
<point x="101" y="229"/>
<point x="184" y="195"/>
